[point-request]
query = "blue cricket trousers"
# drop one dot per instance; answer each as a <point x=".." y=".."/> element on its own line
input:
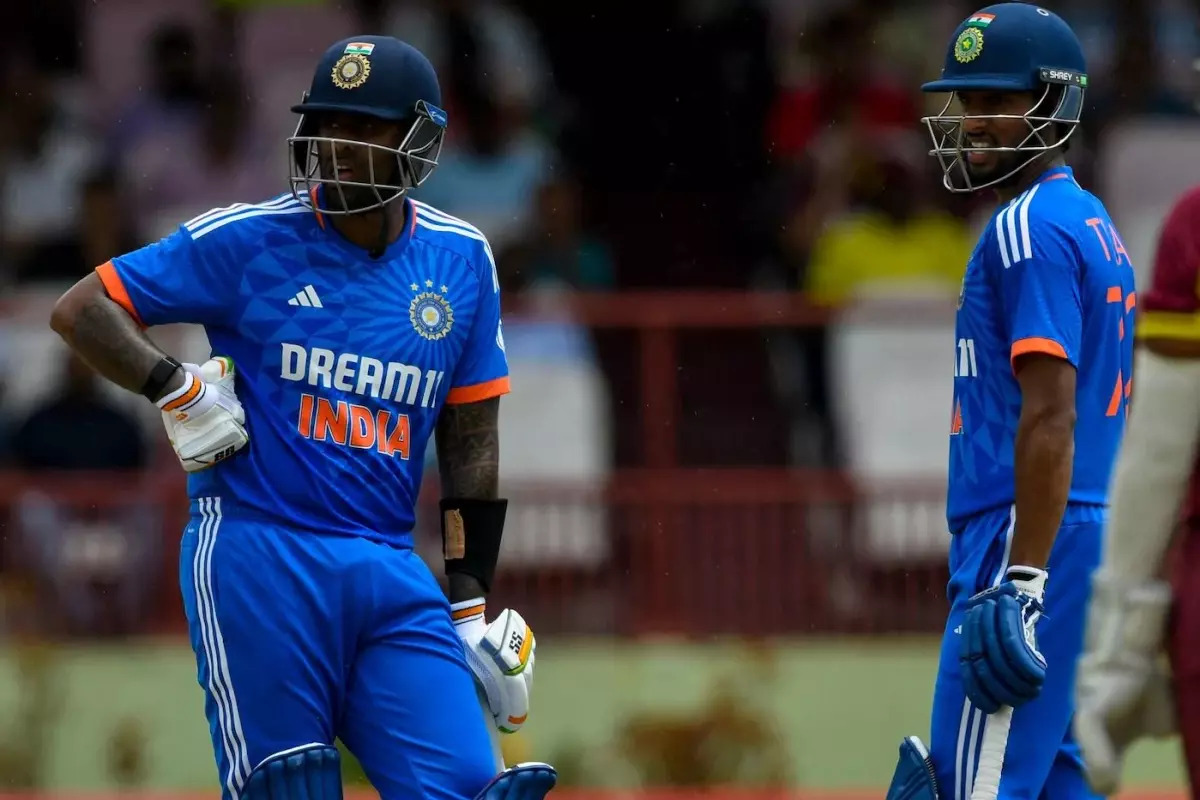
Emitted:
<point x="1041" y="760"/>
<point x="302" y="638"/>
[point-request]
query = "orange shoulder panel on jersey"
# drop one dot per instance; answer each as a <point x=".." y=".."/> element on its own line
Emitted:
<point x="116" y="290"/>
<point x="479" y="391"/>
<point x="1170" y="308"/>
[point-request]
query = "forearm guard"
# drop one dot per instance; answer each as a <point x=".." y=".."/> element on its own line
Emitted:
<point x="471" y="534"/>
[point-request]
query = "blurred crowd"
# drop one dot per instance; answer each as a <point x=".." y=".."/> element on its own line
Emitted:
<point x="728" y="144"/>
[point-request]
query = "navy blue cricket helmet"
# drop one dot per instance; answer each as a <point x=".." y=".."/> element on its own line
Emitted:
<point x="380" y="77"/>
<point x="1009" y="47"/>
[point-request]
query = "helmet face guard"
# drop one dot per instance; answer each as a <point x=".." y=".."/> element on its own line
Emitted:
<point x="391" y="171"/>
<point x="1051" y="121"/>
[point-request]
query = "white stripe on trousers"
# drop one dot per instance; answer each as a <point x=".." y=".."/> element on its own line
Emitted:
<point x="220" y="687"/>
<point x="984" y="746"/>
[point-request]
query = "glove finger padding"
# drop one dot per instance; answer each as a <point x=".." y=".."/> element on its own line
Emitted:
<point x="1123" y="690"/>
<point x="973" y="663"/>
<point x="1113" y="714"/>
<point x="516" y="701"/>
<point x="512" y="646"/>
<point x="527" y="673"/>
<point x="1000" y="626"/>
<point x="203" y="438"/>
<point x="1021" y="668"/>
<point x="502" y="658"/>
<point x="1115" y="692"/>
<point x="1103" y="762"/>
<point x="510" y="642"/>
<point x="998" y="662"/>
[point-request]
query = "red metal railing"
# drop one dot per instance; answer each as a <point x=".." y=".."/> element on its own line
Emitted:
<point x="682" y="552"/>
<point x="658" y="318"/>
<point x="658" y="548"/>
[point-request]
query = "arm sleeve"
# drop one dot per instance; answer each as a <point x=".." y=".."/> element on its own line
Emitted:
<point x="1042" y="298"/>
<point x="482" y="371"/>
<point x="1170" y="308"/>
<point x="176" y="279"/>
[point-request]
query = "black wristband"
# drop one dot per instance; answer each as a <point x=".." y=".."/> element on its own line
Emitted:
<point x="471" y="534"/>
<point x="162" y="373"/>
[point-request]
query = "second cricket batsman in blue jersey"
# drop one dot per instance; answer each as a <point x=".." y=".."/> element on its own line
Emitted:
<point x="1042" y="360"/>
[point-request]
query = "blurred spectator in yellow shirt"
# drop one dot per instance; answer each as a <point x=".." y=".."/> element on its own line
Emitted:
<point x="891" y="241"/>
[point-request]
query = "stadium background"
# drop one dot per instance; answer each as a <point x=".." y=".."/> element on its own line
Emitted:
<point x="730" y="275"/>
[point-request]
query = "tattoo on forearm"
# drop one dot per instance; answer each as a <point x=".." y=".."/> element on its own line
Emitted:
<point x="108" y="339"/>
<point x="468" y="447"/>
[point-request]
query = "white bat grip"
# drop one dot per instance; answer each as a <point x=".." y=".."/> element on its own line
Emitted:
<point x="991" y="754"/>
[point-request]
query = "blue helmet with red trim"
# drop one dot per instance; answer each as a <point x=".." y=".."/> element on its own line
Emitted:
<point x="1009" y="47"/>
<point x="380" y="78"/>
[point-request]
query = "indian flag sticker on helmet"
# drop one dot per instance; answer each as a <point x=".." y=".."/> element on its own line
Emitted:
<point x="981" y="20"/>
<point x="969" y="45"/>
<point x="362" y="48"/>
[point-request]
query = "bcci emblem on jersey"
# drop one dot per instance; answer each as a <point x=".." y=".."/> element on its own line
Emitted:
<point x="431" y="315"/>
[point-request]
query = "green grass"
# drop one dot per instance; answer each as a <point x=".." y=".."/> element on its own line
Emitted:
<point x="838" y="710"/>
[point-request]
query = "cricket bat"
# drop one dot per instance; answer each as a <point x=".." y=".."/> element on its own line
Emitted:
<point x="991" y="754"/>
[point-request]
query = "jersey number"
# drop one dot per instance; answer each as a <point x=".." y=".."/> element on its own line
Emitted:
<point x="1119" y="400"/>
<point x="964" y="364"/>
<point x="1114" y="251"/>
<point x="352" y="425"/>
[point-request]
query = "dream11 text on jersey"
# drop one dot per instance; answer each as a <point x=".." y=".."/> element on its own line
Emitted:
<point x="351" y="424"/>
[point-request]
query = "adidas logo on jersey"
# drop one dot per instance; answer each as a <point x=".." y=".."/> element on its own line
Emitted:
<point x="306" y="297"/>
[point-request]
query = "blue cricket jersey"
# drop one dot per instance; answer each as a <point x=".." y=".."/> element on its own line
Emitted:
<point x="343" y="362"/>
<point x="1049" y="275"/>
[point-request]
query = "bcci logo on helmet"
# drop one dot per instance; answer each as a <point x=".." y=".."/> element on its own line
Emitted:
<point x="969" y="45"/>
<point x="431" y="314"/>
<point x="353" y="68"/>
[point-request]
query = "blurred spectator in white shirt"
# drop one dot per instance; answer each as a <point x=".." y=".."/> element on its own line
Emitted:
<point x="45" y="160"/>
<point x="170" y="177"/>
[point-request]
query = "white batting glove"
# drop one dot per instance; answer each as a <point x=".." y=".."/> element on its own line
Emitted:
<point x="204" y="420"/>
<point x="501" y="656"/>
<point x="1123" y="691"/>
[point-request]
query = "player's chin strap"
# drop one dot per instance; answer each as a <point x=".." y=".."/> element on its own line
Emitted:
<point x="381" y="246"/>
<point x="384" y="240"/>
<point x="914" y="778"/>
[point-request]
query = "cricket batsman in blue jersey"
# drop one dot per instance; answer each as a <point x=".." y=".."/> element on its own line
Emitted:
<point x="353" y="323"/>
<point x="1042" y="375"/>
